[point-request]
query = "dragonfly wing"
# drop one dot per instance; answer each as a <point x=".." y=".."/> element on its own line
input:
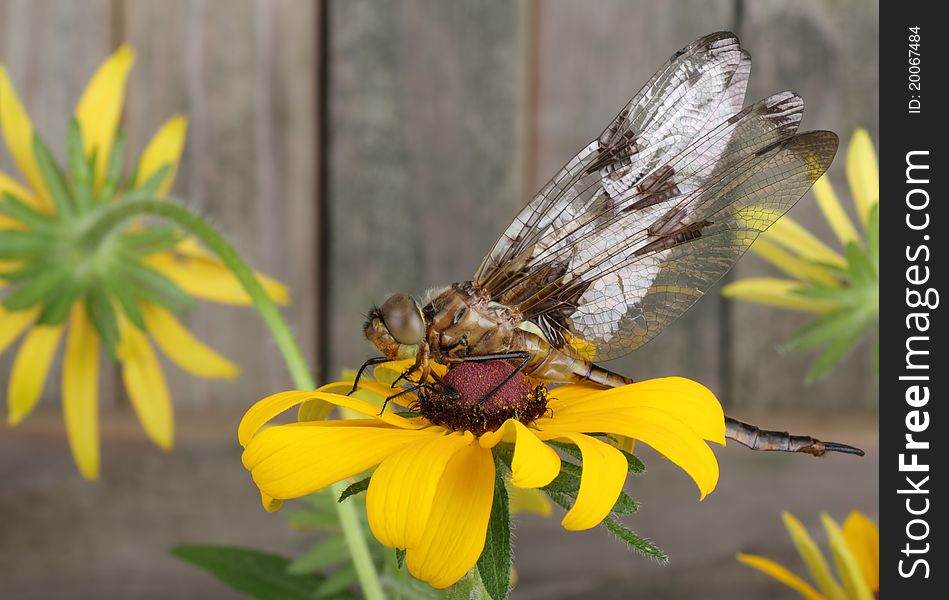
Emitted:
<point x="699" y="87"/>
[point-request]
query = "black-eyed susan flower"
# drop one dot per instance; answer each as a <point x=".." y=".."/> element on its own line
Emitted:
<point x="64" y="287"/>
<point x="855" y="549"/>
<point x="435" y="481"/>
<point x="843" y="289"/>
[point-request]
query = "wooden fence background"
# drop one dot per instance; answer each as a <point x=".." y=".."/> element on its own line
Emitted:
<point x="356" y="148"/>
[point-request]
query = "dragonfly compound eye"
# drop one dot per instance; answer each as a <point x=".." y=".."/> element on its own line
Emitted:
<point x="403" y="319"/>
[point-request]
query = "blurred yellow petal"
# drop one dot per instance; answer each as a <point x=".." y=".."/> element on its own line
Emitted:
<point x="792" y="235"/>
<point x="813" y="558"/>
<point x="863" y="175"/>
<point x="289" y="461"/>
<point x="145" y="384"/>
<point x="604" y="472"/>
<point x="863" y="539"/>
<point x="81" y="392"/>
<point x="402" y="489"/>
<point x="833" y="211"/>
<point x="775" y="292"/>
<point x="528" y="500"/>
<point x="18" y="134"/>
<point x="30" y="370"/>
<point x="769" y="567"/>
<point x="182" y="348"/>
<point x="13" y="323"/>
<point x="847" y="564"/>
<point x="164" y="148"/>
<point x="457" y="523"/>
<point x="792" y="265"/>
<point x="207" y="278"/>
<point x="100" y="107"/>
<point x="535" y="464"/>
<point x="270" y="504"/>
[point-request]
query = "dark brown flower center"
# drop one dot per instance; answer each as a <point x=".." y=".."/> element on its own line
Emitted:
<point x="469" y="401"/>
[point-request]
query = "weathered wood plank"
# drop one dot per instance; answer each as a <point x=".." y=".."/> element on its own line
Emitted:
<point x="245" y="76"/>
<point x="424" y="133"/>
<point x="827" y="52"/>
<point x="591" y="58"/>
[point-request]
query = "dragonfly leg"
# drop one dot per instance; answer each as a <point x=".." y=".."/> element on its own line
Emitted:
<point x="756" y="438"/>
<point x="375" y="360"/>
<point x="408" y="390"/>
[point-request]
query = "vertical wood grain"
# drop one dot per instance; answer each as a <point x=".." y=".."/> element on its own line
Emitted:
<point x="424" y="148"/>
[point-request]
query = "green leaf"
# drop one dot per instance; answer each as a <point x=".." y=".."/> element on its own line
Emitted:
<point x="150" y="186"/>
<point x="52" y="176"/>
<point x="113" y="170"/>
<point x="494" y="565"/>
<point x="835" y="351"/>
<point x="80" y="172"/>
<point x="860" y="266"/>
<point x="153" y="286"/>
<point x="326" y="553"/>
<point x="260" y="575"/>
<point x="16" y="208"/>
<point x="37" y="288"/>
<point x="873" y="236"/>
<point x="400" y="557"/>
<point x="61" y="300"/>
<point x="360" y="486"/>
<point x="313" y="520"/>
<point x="154" y="239"/>
<point x="125" y="296"/>
<point x="102" y="316"/>
<point x="633" y="463"/>
<point x="634" y="541"/>
<point x="836" y="324"/>
<point x="15" y="244"/>
<point x="339" y="581"/>
<point x="567" y="483"/>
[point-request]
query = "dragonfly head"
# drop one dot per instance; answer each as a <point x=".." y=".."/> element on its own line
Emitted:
<point x="398" y="322"/>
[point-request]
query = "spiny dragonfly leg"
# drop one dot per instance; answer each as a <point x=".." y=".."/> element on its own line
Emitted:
<point x="375" y="360"/>
<point x="409" y="390"/>
<point x="756" y="438"/>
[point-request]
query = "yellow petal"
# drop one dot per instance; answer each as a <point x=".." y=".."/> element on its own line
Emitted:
<point x="775" y="292"/>
<point x="658" y="428"/>
<point x="792" y="265"/>
<point x="81" y="392"/>
<point x="834" y="213"/>
<point x="13" y="323"/>
<point x="18" y="134"/>
<point x="271" y="406"/>
<point x="769" y="567"/>
<point x="289" y="461"/>
<point x="847" y="564"/>
<point x="457" y="523"/>
<point x="145" y="384"/>
<point x="207" y="277"/>
<point x="863" y="175"/>
<point x="30" y="370"/>
<point x="813" y="558"/>
<point x="100" y="107"/>
<point x="604" y="472"/>
<point x="688" y="401"/>
<point x="164" y="148"/>
<point x="402" y="489"/>
<point x="863" y="539"/>
<point x="183" y="348"/>
<point x="535" y="464"/>
<point x="790" y="234"/>
<point x="527" y="500"/>
<point x="270" y="504"/>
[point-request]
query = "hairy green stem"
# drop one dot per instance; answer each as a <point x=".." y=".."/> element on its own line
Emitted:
<point x="120" y="212"/>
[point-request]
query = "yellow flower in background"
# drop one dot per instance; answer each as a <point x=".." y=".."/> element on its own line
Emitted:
<point x="431" y="493"/>
<point x="843" y="289"/>
<point x="855" y="549"/>
<point x="123" y="291"/>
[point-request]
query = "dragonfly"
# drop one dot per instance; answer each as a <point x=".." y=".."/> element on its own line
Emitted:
<point x="627" y="236"/>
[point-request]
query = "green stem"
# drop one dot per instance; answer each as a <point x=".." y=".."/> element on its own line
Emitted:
<point x="113" y="215"/>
